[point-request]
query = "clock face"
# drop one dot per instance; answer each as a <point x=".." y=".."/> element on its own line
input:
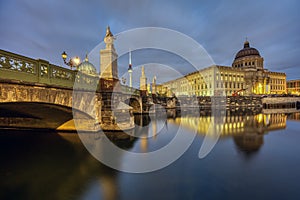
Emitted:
<point x="108" y="40"/>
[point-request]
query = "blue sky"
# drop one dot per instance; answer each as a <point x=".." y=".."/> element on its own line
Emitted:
<point x="43" y="29"/>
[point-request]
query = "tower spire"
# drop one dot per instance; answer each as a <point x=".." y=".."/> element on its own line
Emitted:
<point x="86" y="57"/>
<point x="143" y="71"/>
<point x="108" y="32"/>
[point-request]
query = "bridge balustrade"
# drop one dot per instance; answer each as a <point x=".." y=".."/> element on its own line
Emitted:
<point x="24" y="69"/>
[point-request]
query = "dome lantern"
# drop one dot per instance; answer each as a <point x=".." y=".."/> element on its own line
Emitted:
<point x="246" y="44"/>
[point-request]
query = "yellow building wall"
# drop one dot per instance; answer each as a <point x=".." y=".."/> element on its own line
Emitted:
<point x="277" y="83"/>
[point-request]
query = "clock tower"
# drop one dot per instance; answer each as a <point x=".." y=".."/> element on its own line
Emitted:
<point x="108" y="63"/>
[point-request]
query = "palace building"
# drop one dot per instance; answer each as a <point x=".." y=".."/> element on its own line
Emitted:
<point x="293" y="87"/>
<point x="246" y="76"/>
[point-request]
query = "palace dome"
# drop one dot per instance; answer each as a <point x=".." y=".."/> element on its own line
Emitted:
<point x="87" y="68"/>
<point x="247" y="51"/>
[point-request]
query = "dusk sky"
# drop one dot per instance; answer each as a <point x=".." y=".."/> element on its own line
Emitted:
<point x="44" y="29"/>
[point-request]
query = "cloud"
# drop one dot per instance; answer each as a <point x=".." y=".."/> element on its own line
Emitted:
<point x="43" y="29"/>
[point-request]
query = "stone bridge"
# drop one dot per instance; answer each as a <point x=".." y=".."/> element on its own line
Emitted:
<point x="37" y="94"/>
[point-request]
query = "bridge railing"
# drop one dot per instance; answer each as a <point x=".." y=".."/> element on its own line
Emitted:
<point x="18" y="67"/>
<point x="129" y="90"/>
<point x="21" y="68"/>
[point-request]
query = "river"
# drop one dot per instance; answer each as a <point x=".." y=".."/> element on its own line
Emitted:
<point x="256" y="157"/>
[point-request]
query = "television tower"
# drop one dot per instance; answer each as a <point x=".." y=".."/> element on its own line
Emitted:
<point x="130" y="70"/>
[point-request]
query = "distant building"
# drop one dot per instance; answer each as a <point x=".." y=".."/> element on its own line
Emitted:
<point x="293" y="87"/>
<point x="246" y="76"/>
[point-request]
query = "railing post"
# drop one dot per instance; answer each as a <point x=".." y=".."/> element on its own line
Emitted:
<point x="43" y="71"/>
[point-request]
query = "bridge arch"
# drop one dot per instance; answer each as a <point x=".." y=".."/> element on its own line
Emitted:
<point x="135" y="104"/>
<point x="37" y="115"/>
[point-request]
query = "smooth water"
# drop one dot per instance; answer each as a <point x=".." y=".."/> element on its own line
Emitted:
<point x="257" y="157"/>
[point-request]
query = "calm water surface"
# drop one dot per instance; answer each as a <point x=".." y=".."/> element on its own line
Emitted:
<point x="257" y="157"/>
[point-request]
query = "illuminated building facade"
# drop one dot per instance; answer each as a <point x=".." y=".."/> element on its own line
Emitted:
<point x="212" y="81"/>
<point x="246" y="76"/>
<point x="293" y="87"/>
<point x="277" y="83"/>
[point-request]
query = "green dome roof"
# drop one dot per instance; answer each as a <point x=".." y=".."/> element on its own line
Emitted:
<point x="87" y="68"/>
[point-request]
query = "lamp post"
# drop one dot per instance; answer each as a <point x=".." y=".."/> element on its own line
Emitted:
<point x="73" y="62"/>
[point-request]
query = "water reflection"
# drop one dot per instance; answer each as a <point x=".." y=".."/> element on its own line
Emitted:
<point x="40" y="165"/>
<point x="246" y="127"/>
<point x="294" y="116"/>
<point x="50" y="166"/>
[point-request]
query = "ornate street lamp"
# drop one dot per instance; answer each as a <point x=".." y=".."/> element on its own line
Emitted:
<point x="73" y="62"/>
